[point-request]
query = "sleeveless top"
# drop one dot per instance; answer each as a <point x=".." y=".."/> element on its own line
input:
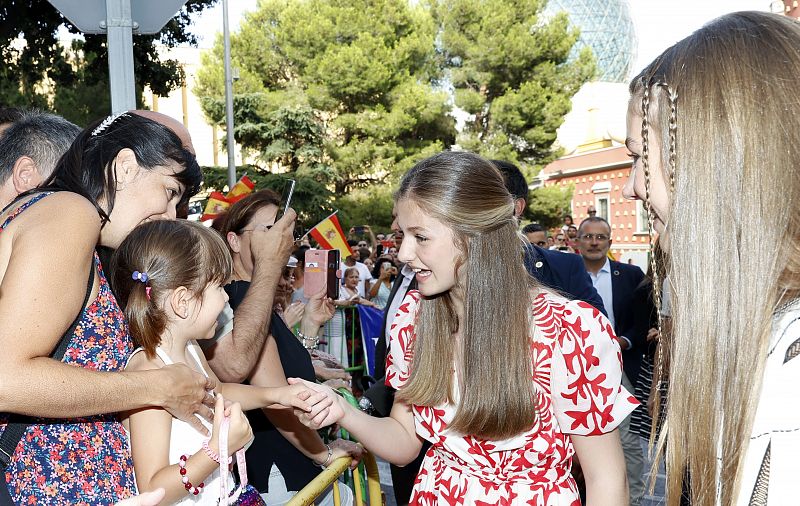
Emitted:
<point x="82" y="460"/>
<point x="185" y="440"/>
<point x="382" y="297"/>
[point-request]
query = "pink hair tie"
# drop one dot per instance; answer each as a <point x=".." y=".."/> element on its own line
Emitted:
<point x="147" y="291"/>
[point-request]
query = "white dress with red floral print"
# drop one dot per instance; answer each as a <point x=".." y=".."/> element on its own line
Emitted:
<point x="577" y="375"/>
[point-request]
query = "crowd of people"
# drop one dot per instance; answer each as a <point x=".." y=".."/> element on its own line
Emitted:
<point x="142" y="351"/>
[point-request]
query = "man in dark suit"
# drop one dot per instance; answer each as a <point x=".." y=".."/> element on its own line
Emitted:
<point x="616" y="283"/>
<point x="563" y="272"/>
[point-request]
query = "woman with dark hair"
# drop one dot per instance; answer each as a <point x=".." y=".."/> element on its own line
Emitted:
<point x="280" y="439"/>
<point x="508" y="384"/>
<point x="384" y="274"/>
<point x="121" y="171"/>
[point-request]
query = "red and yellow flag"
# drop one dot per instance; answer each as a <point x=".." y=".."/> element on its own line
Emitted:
<point x="216" y="205"/>
<point x="219" y="203"/>
<point x="240" y="190"/>
<point x="329" y="234"/>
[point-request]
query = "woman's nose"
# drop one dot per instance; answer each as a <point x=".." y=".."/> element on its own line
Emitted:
<point x="629" y="190"/>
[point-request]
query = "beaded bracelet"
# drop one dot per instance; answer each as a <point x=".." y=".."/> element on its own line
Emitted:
<point x="328" y="460"/>
<point x="191" y="489"/>
<point x="212" y="454"/>
<point x="309" y="343"/>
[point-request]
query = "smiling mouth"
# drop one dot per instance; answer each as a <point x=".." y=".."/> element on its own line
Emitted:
<point x="422" y="274"/>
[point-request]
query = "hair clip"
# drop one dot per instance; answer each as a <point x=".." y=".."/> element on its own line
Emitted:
<point x="140" y="276"/>
<point x="107" y="122"/>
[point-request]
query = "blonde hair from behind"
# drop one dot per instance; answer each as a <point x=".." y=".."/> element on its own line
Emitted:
<point x="173" y="253"/>
<point x="494" y="364"/>
<point x="721" y="105"/>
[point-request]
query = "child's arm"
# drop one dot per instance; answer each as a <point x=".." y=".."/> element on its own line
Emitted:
<point x="255" y="397"/>
<point x="150" y="432"/>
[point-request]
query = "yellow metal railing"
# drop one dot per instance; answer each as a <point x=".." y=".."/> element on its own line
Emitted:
<point x="331" y="474"/>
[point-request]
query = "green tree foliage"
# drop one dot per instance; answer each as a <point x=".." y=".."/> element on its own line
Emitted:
<point x="548" y="205"/>
<point x="75" y="83"/>
<point x="347" y="88"/>
<point x="509" y="68"/>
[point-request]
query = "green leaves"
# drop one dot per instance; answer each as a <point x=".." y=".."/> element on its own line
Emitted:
<point x="363" y="73"/>
<point x="363" y="89"/>
<point x="73" y="82"/>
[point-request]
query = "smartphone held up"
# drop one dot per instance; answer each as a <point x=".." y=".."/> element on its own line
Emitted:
<point x="322" y="272"/>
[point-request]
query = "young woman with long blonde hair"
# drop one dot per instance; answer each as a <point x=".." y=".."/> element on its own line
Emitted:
<point x="714" y="129"/>
<point x="506" y="384"/>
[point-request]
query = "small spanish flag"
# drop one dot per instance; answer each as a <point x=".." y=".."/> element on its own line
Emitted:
<point x="329" y="234"/>
<point x="216" y="205"/>
<point x="219" y="203"/>
<point x="240" y="190"/>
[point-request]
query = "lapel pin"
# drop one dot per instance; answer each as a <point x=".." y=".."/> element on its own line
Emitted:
<point x="616" y="273"/>
<point x="539" y="265"/>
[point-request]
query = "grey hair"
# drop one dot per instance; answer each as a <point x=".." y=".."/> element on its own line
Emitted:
<point x="595" y="219"/>
<point x="39" y="135"/>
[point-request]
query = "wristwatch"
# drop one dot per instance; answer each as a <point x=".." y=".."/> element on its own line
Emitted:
<point x="366" y="406"/>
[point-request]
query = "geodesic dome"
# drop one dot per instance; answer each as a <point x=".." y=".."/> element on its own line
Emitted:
<point x="606" y="27"/>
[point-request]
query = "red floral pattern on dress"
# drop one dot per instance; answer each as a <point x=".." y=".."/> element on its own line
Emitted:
<point x="577" y="375"/>
<point x="83" y="461"/>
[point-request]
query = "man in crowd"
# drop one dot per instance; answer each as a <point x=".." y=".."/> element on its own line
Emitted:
<point x="364" y="274"/>
<point x="29" y="150"/>
<point x="563" y="272"/>
<point x="536" y="234"/>
<point x="616" y="283"/>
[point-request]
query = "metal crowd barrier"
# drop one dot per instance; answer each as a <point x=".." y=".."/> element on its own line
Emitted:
<point x="338" y="467"/>
<point x="331" y="475"/>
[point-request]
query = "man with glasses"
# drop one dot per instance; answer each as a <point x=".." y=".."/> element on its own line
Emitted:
<point x="616" y="283"/>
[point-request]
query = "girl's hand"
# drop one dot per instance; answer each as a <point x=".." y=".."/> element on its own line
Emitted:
<point x="323" y="413"/>
<point x="294" y="313"/>
<point x="344" y="448"/>
<point x="239" y="430"/>
<point x="653" y="335"/>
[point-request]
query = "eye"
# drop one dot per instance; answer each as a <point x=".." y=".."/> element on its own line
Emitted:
<point x="420" y="238"/>
<point x="173" y="193"/>
<point x="633" y="157"/>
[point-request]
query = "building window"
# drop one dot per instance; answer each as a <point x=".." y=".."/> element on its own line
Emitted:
<point x="641" y="218"/>
<point x="601" y="205"/>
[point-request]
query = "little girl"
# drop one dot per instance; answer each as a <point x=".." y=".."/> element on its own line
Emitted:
<point x="168" y="276"/>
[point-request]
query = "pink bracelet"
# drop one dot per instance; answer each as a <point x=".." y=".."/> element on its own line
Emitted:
<point x="212" y="454"/>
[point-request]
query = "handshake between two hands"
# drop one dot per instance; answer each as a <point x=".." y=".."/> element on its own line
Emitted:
<point x="321" y="405"/>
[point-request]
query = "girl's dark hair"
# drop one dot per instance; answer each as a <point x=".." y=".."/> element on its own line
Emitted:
<point x="172" y="253"/>
<point x="376" y="269"/>
<point x="88" y="168"/>
<point x="240" y="213"/>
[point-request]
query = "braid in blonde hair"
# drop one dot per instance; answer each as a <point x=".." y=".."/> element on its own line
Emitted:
<point x="658" y="380"/>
